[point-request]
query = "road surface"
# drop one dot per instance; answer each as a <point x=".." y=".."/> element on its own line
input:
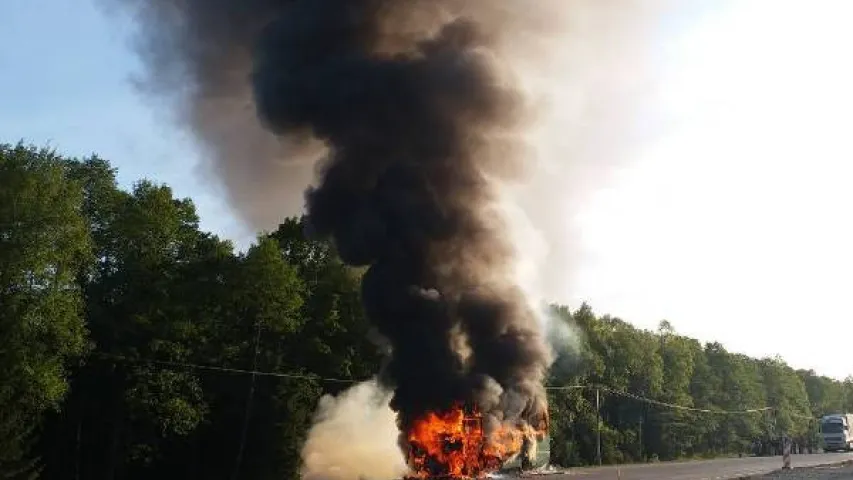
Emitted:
<point x="725" y="468"/>
<point x="818" y="473"/>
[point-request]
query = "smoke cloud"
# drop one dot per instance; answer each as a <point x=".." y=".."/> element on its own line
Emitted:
<point x="198" y="55"/>
<point x="592" y="67"/>
<point x="445" y="142"/>
<point x="422" y="124"/>
<point x="600" y="103"/>
<point x="360" y="419"/>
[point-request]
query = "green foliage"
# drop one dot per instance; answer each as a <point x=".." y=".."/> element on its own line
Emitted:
<point x="154" y="382"/>
<point x="44" y="244"/>
<point x="16" y="440"/>
<point x="670" y="369"/>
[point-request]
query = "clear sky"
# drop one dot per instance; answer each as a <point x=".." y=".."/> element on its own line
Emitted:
<point x="67" y="83"/>
<point x="734" y="225"/>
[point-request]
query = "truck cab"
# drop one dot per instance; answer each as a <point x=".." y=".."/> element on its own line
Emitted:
<point x="835" y="432"/>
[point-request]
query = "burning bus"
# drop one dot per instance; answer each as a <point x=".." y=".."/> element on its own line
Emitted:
<point x="456" y="443"/>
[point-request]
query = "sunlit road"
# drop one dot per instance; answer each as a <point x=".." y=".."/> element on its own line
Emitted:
<point x="700" y="470"/>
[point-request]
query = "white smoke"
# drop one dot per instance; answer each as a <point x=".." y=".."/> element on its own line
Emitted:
<point x="596" y="94"/>
<point x="593" y="74"/>
<point x="354" y="437"/>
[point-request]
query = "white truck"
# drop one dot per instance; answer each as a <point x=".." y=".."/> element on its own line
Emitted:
<point x="836" y="431"/>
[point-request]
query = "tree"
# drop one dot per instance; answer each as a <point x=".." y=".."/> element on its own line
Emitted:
<point x="124" y="407"/>
<point x="44" y="244"/>
<point x="786" y="394"/>
<point x="197" y="362"/>
<point x="672" y="431"/>
<point x="268" y="293"/>
<point x="573" y="414"/>
<point x="339" y="335"/>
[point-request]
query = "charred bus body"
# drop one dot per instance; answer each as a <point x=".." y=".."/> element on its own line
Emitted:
<point x="535" y="455"/>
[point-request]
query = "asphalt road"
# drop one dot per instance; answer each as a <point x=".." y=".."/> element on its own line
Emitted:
<point x="725" y="468"/>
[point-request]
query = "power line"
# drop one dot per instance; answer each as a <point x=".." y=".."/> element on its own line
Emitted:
<point x="656" y="402"/>
<point x="684" y="407"/>
<point x="196" y="366"/>
<point x="319" y="378"/>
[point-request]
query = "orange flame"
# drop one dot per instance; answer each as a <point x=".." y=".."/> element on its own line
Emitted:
<point x="453" y="443"/>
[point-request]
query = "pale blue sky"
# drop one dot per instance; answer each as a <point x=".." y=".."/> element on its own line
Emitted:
<point x="66" y="83"/>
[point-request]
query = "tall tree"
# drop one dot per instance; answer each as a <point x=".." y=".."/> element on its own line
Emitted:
<point x="44" y="244"/>
<point x="671" y="431"/>
<point x="124" y="406"/>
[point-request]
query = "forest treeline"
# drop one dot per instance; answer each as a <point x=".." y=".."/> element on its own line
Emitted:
<point x="109" y="297"/>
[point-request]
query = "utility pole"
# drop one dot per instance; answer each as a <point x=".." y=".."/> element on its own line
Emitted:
<point x="786" y="452"/>
<point x="598" y="427"/>
<point x="236" y="474"/>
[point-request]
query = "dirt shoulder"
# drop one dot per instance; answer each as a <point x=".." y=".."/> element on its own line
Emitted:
<point x="843" y="471"/>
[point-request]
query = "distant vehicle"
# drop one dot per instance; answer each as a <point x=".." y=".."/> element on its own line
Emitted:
<point x="836" y="433"/>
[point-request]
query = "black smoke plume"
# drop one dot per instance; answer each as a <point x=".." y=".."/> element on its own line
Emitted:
<point x="417" y="122"/>
<point x="406" y="189"/>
